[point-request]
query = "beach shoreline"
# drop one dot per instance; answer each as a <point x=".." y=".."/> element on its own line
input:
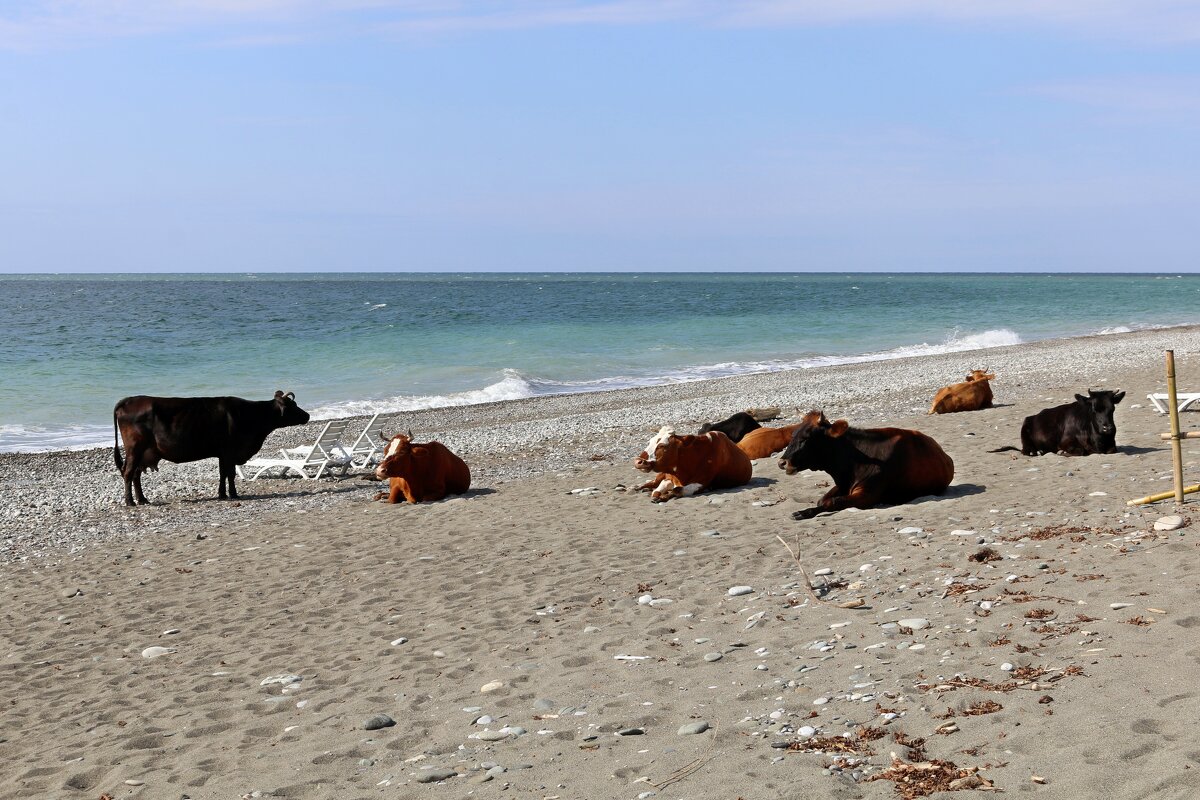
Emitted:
<point x="531" y="639"/>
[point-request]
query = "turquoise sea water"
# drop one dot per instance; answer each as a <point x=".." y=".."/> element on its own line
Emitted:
<point x="71" y="346"/>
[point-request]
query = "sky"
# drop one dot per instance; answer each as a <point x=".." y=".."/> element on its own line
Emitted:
<point x="610" y="135"/>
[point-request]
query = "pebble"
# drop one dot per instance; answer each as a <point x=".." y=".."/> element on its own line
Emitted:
<point x="513" y="730"/>
<point x="155" y="652"/>
<point x="693" y="728"/>
<point x="492" y="736"/>
<point x="820" y="701"/>
<point x="400" y="641"/>
<point x="591" y="629"/>
<point x="710" y="534"/>
<point x="644" y="600"/>
<point x="71" y="591"/>
<point x="170" y="631"/>
<point x="285" y="679"/>
<point x="963" y="533"/>
<point x="1007" y="667"/>
<point x="807" y="731"/>
<point x="491" y="686"/>
<point x="134" y="782"/>
<point x="484" y="720"/>
<point x="713" y="656"/>
<point x="823" y="571"/>
<point x="1168" y="523"/>
<point x="434" y="775"/>
<point x="910" y="531"/>
<point x="631" y="732"/>
<point x="1119" y="606"/>
<point x="660" y="602"/>
<point x="543" y="705"/>
<point x="378" y="721"/>
<point x="734" y="591"/>
<point x="914" y="623"/>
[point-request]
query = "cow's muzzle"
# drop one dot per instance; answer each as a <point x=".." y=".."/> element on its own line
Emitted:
<point x="787" y="467"/>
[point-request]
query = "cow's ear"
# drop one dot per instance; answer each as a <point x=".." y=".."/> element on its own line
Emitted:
<point x="1081" y="398"/>
<point x="1118" y="397"/>
<point x="838" y="428"/>
<point x="278" y="393"/>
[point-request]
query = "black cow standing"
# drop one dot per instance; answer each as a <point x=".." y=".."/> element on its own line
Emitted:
<point x="735" y="427"/>
<point x="1082" y="428"/>
<point x="181" y="429"/>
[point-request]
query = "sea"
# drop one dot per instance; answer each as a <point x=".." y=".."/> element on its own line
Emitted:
<point x="357" y="343"/>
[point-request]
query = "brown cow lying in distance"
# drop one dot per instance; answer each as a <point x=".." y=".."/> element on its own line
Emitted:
<point x="690" y="464"/>
<point x="869" y="466"/>
<point x="420" y="472"/>
<point x="766" y="441"/>
<point x="971" y="395"/>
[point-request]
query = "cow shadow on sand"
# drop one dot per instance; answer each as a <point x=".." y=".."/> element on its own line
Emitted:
<point x="953" y="492"/>
<point x="1134" y="450"/>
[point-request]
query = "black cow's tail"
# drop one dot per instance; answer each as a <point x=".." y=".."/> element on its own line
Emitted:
<point x="1006" y="447"/>
<point x="117" y="444"/>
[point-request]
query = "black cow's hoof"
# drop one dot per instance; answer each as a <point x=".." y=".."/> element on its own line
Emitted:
<point x="807" y="513"/>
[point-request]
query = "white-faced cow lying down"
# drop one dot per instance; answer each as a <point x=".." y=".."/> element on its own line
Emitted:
<point x="420" y="472"/>
<point x="182" y="429"/>
<point x="1082" y="428"/>
<point x="690" y="464"/>
<point x="869" y="466"/>
<point x="971" y="395"/>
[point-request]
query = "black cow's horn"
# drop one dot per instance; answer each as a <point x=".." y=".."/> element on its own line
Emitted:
<point x="290" y="395"/>
<point x="410" y="433"/>
<point x="384" y="436"/>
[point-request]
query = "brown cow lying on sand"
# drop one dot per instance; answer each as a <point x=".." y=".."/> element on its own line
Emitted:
<point x="765" y="442"/>
<point x="420" y="472"/>
<point x="973" y="394"/>
<point x="869" y="466"/>
<point x="690" y="464"/>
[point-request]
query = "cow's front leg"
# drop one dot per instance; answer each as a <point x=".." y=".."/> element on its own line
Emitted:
<point x="399" y="491"/>
<point x="670" y="487"/>
<point x="650" y="484"/>
<point x="231" y="476"/>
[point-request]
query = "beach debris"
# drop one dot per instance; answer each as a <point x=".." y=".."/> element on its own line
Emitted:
<point x="985" y="555"/>
<point x="921" y="779"/>
<point x="283" y="680"/>
<point x="377" y="722"/>
<point x="155" y="652"/>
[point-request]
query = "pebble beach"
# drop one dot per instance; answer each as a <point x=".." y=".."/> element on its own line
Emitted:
<point x="553" y="635"/>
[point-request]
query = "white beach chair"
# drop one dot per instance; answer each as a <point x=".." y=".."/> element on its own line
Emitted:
<point x="327" y="452"/>
<point x="1161" y="399"/>
<point x="368" y="447"/>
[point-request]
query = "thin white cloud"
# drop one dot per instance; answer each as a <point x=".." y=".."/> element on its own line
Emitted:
<point x="41" y="23"/>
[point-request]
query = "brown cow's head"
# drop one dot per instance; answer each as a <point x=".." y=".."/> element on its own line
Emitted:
<point x="981" y="375"/>
<point x="397" y="456"/>
<point x="290" y="413"/>
<point x="810" y="442"/>
<point x="645" y="460"/>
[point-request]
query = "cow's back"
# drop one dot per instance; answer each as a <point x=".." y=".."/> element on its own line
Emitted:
<point x="765" y="442"/>
<point x="732" y="466"/>
<point x="913" y="463"/>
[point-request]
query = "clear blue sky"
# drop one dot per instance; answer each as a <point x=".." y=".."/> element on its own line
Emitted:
<point x="414" y="135"/>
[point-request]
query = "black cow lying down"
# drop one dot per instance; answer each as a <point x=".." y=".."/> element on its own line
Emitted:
<point x="735" y="427"/>
<point x="1083" y="428"/>
<point x="181" y="429"/>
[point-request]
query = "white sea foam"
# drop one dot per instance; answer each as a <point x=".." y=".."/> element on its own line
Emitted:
<point x="515" y="386"/>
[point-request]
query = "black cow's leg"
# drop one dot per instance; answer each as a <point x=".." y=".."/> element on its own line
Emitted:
<point x="221" y="495"/>
<point x="137" y="488"/>
<point x="231" y="471"/>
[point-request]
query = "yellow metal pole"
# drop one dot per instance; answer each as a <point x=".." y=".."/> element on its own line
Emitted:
<point x="1176" y="446"/>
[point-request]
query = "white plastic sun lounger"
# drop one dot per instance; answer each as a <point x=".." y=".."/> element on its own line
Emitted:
<point x="368" y="447"/>
<point x="327" y="452"/>
<point x="1161" y="399"/>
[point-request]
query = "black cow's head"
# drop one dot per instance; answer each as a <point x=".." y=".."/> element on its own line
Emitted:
<point x="810" y="443"/>
<point x="290" y="413"/>
<point x="1101" y="406"/>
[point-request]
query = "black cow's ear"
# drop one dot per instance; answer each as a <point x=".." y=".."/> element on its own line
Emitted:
<point x="1118" y="397"/>
<point x="1081" y="398"/>
<point x="278" y="393"/>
